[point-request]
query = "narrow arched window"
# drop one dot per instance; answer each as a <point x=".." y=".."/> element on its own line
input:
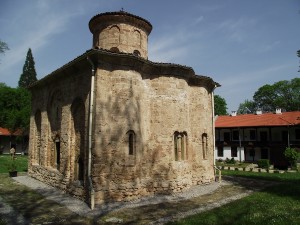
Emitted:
<point x="180" y="146"/>
<point x="80" y="169"/>
<point x="131" y="142"/>
<point x="57" y="153"/>
<point x="115" y="49"/>
<point x="204" y="146"/>
<point x="136" y="53"/>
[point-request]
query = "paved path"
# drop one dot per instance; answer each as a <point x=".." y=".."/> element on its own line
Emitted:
<point x="150" y="210"/>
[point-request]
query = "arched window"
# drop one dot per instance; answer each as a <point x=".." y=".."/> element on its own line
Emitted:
<point x="114" y="35"/>
<point x="57" y="153"/>
<point x="131" y="142"/>
<point x="137" y="38"/>
<point x="180" y="145"/>
<point x="115" y="49"/>
<point x="38" y="128"/>
<point x="136" y="53"/>
<point x="204" y="146"/>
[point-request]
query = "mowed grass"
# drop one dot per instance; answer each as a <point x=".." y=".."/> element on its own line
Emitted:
<point x="278" y="204"/>
<point x="20" y="160"/>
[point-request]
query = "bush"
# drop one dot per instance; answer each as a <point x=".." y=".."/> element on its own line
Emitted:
<point x="230" y="161"/>
<point x="263" y="163"/>
<point x="292" y="156"/>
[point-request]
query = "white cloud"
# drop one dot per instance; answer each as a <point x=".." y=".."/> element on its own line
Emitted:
<point x="35" y="31"/>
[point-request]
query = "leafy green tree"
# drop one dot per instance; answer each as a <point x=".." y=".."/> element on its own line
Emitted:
<point x="220" y="105"/>
<point x="14" y="108"/>
<point x="283" y="94"/>
<point x="29" y="74"/>
<point x="292" y="155"/>
<point x="248" y="106"/>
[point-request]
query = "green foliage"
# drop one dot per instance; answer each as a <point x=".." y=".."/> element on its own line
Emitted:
<point x="220" y="105"/>
<point x="230" y="161"/>
<point x="283" y="94"/>
<point x="14" y="107"/>
<point x="263" y="163"/>
<point x="246" y="107"/>
<point x="29" y="74"/>
<point x="292" y="156"/>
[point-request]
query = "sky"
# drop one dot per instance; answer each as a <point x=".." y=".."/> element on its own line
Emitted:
<point x="241" y="44"/>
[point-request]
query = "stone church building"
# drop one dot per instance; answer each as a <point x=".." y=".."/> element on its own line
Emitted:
<point x="112" y="125"/>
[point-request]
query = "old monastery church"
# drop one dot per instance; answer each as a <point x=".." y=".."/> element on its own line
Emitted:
<point x="112" y="125"/>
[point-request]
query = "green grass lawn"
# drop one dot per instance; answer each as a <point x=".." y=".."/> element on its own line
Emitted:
<point x="21" y="161"/>
<point x="278" y="204"/>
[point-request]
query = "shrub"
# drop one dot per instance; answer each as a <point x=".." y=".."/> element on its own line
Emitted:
<point x="263" y="163"/>
<point x="230" y="161"/>
<point x="292" y="156"/>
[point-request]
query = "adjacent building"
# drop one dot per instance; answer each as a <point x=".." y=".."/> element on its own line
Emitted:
<point x="112" y="125"/>
<point x="16" y="139"/>
<point x="251" y="137"/>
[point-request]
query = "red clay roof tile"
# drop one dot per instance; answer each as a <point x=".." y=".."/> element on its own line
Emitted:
<point x="265" y="119"/>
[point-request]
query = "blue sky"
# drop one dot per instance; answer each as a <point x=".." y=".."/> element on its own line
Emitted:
<point x="242" y="44"/>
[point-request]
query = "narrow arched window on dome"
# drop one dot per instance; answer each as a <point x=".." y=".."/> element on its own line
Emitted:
<point x="136" y="53"/>
<point x="115" y="49"/>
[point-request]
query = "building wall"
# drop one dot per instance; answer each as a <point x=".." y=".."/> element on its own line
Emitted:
<point x="154" y="109"/>
<point x="263" y="143"/>
<point x="53" y="135"/>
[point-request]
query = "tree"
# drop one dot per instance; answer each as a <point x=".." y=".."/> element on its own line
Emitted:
<point x="3" y="47"/>
<point x="14" y="108"/>
<point x="282" y="94"/>
<point x="29" y="74"/>
<point x="248" y="106"/>
<point x="220" y="105"/>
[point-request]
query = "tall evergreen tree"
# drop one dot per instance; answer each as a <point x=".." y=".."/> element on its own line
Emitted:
<point x="29" y="74"/>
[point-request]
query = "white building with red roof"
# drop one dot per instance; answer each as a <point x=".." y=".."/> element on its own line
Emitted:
<point x="250" y="137"/>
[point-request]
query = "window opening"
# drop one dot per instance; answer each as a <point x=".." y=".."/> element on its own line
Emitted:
<point x="136" y="53"/>
<point x="57" y="148"/>
<point x="180" y="146"/>
<point x="131" y="142"/>
<point x="233" y="151"/>
<point x="220" y="151"/>
<point x="252" y="135"/>
<point x="226" y="136"/>
<point x="204" y="145"/>
<point x="235" y="135"/>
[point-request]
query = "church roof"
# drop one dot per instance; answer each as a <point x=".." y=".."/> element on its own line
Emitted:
<point x="121" y="15"/>
<point x="153" y="68"/>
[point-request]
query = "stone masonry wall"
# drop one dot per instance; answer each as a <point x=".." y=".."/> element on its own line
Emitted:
<point x="52" y="106"/>
<point x="125" y="37"/>
<point x="154" y="109"/>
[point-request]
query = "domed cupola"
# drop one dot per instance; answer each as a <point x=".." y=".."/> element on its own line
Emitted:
<point x="121" y="32"/>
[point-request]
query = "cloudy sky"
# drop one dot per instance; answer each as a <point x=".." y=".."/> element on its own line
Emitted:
<point x="242" y="44"/>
